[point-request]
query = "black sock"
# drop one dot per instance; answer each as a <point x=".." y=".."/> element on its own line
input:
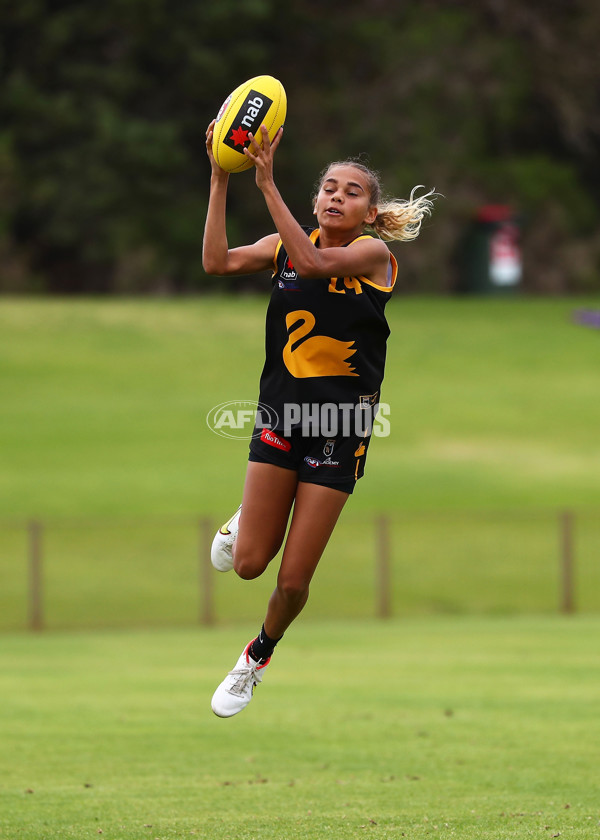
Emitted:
<point x="263" y="646"/>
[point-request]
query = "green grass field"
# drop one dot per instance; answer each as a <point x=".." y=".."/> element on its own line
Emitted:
<point x="465" y="728"/>
<point x="103" y="406"/>
<point x="472" y="714"/>
<point x="98" y="574"/>
<point x="494" y="429"/>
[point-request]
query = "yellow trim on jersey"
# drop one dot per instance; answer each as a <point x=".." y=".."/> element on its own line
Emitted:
<point x="277" y="249"/>
<point x="360" y="278"/>
<point x="313" y="238"/>
<point x="394" y="265"/>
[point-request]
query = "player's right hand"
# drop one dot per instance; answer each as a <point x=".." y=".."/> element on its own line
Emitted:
<point x="216" y="169"/>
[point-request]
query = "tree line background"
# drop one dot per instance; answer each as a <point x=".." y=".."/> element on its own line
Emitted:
<point x="104" y="106"/>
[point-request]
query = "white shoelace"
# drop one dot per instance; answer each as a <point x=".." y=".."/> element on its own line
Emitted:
<point x="240" y="686"/>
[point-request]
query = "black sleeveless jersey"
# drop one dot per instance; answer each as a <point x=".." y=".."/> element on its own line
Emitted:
<point x="325" y="339"/>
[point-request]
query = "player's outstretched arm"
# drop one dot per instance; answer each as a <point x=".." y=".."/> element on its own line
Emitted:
<point x="217" y="257"/>
<point x="366" y="257"/>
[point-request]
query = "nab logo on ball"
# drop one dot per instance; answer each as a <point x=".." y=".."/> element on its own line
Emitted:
<point x="258" y="101"/>
<point x="248" y="119"/>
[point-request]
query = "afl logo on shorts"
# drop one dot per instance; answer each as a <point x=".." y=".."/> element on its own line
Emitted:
<point x="312" y="462"/>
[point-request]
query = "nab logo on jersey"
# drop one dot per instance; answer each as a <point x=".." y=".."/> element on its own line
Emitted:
<point x="287" y="276"/>
<point x="248" y="119"/>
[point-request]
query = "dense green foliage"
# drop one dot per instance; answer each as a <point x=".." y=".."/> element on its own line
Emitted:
<point x="103" y="106"/>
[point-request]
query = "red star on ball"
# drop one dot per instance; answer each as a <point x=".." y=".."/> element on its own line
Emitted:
<point x="239" y="136"/>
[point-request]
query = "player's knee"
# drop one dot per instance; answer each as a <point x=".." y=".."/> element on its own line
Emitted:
<point x="249" y="564"/>
<point x="294" y="589"/>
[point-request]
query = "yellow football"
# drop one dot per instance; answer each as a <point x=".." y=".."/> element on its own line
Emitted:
<point x="259" y="101"/>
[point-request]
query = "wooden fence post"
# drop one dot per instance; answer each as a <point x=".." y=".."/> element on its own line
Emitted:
<point x="206" y="573"/>
<point x="36" y="617"/>
<point x="383" y="566"/>
<point x="567" y="561"/>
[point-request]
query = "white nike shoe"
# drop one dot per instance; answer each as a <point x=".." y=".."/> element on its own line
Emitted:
<point x="235" y="692"/>
<point x="220" y="553"/>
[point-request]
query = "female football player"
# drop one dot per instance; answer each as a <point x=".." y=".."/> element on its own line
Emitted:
<point x="326" y="338"/>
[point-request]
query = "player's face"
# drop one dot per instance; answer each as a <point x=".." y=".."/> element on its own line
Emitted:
<point x="343" y="201"/>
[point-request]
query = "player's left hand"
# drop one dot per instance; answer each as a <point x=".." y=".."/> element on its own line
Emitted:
<point x="262" y="157"/>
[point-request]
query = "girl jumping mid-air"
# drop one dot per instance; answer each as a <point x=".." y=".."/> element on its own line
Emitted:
<point x="326" y="338"/>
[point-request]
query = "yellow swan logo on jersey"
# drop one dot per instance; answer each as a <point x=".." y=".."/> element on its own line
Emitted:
<point x="319" y="355"/>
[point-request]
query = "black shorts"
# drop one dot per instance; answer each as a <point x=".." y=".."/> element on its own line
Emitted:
<point x="332" y="462"/>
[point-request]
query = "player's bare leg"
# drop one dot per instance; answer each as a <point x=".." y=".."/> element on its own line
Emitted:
<point x="255" y="532"/>
<point x="268" y="497"/>
<point x="316" y="512"/>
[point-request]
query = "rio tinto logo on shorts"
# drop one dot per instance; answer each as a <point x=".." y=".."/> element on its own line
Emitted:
<point x="241" y="419"/>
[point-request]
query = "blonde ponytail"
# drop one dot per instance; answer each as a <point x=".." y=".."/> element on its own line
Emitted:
<point x="397" y="219"/>
<point x="400" y="219"/>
